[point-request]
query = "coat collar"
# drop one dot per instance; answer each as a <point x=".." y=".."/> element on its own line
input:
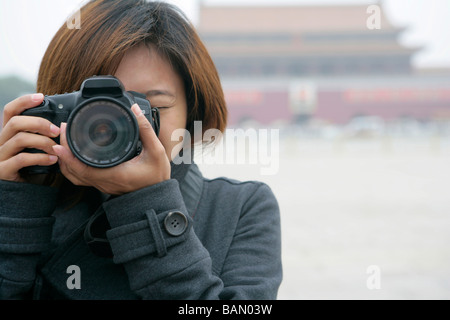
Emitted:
<point x="191" y="188"/>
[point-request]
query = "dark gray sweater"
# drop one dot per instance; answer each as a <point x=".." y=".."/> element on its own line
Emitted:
<point x="229" y="246"/>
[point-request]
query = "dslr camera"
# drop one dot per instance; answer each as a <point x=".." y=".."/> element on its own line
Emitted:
<point x="102" y="131"/>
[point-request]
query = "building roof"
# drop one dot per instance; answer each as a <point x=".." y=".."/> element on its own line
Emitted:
<point x="299" y="40"/>
<point x="300" y="49"/>
<point x="281" y="19"/>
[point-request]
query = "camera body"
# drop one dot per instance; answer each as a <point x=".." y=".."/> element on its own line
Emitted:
<point x="102" y="131"/>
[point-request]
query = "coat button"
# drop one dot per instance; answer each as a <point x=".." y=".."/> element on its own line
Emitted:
<point x="175" y="223"/>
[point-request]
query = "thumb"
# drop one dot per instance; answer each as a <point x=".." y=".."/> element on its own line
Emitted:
<point x="147" y="134"/>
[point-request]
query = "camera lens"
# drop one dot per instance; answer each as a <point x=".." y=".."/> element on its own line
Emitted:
<point x="102" y="133"/>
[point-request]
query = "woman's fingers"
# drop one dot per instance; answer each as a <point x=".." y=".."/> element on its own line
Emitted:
<point x="9" y="169"/>
<point x="72" y="168"/>
<point x="23" y="132"/>
<point x="25" y="140"/>
<point x="69" y="165"/>
<point x="21" y="104"/>
<point x="150" y="167"/>
<point x="148" y="136"/>
<point x="28" y="124"/>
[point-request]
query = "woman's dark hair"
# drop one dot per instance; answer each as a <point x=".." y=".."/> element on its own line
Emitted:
<point x="111" y="27"/>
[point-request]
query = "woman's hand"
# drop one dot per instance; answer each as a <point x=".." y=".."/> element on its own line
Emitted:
<point x="151" y="167"/>
<point x="22" y="132"/>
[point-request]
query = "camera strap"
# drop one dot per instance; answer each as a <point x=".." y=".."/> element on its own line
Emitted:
<point x="95" y="234"/>
<point x="156" y="120"/>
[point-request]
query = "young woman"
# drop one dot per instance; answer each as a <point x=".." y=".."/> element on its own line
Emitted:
<point x="147" y="228"/>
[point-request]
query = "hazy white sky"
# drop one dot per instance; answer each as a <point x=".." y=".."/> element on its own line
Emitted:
<point x="27" y="26"/>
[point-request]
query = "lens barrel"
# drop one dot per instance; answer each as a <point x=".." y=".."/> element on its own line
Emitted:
<point x="103" y="133"/>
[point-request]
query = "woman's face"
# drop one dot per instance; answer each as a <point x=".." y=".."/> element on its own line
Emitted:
<point x="144" y="70"/>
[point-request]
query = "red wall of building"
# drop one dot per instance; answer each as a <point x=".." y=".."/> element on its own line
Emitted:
<point x="264" y="107"/>
<point x="388" y="104"/>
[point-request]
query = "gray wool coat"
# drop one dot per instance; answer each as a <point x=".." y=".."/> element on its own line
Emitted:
<point x="185" y="238"/>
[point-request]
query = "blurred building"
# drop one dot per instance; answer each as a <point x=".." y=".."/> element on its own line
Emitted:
<point x="295" y="63"/>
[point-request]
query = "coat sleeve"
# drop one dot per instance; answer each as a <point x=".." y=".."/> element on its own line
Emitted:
<point x="161" y="265"/>
<point x="252" y="269"/>
<point x="25" y="232"/>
